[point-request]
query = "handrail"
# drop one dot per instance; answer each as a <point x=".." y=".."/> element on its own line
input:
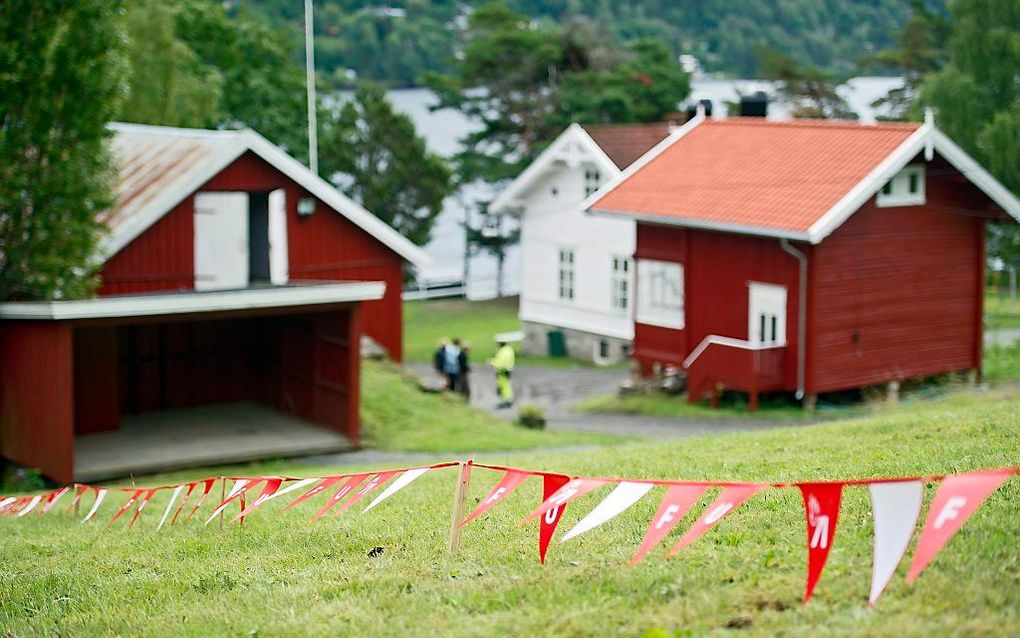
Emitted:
<point x="729" y="342"/>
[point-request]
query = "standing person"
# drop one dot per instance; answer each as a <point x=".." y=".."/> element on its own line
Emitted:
<point x="439" y="357"/>
<point x="503" y="363"/>
<point x="464" y="382"/>
<point x="451" y="364"/>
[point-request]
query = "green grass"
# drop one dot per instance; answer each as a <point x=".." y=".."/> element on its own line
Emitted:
<point x="1002" y="363"/>
<point x="661" y="405"/>
<point x="475" y="322"/>
<point x="1000" y="311"/>
<point x="278" y="575"/>
<point x="393" y="417"/>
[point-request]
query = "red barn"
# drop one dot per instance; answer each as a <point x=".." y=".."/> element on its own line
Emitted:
<point x="236" y="287"/>
<point x="807" y="256"/>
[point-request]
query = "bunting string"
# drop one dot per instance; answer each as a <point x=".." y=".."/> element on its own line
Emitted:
<point x="896" y="504"/>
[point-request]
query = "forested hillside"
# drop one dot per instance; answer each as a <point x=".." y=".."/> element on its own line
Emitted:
<point x="396" y="40"/>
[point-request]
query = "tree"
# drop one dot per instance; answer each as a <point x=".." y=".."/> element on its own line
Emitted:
<point x="375" y="155"/>
<point x="977" y="98"/>
<point x="62" y="79"/>
<point x="169" y="85"/>
<point x="920" y="51"/>
<point x="812" y="92"/>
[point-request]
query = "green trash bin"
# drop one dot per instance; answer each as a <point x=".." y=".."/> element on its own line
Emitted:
<point x="557" y="343"/>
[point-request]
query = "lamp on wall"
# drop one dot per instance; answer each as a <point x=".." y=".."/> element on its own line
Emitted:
<point x="305" y="206"/>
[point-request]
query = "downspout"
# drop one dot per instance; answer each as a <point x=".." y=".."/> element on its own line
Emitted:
<point x="801" y="313"/>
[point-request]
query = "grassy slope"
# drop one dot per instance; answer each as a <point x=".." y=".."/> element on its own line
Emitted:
<point x="1000" y="312"/>
<point x="476" y="322"/>
<point x="660" y="405"/>
<point x="278" y="575"/>
<point x="393" y="409"/>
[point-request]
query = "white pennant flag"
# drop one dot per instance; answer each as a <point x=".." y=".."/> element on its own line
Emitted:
<point x="401" y="482"/>
<point x="31" y="506"/>
<point x="100" y="495"/>
<point x="234" y="490"/>
<point x="56" y="497"/>
<point x="623" y="496"/>
<point x="169" y="506"/>
<point x="895" y="507"/>
<point x="290" y="488"/>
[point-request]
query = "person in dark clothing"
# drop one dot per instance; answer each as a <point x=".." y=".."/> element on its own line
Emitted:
<point x="464" y="381"/>
<point x="439" y="357"/>
<point x="451" y="364"/>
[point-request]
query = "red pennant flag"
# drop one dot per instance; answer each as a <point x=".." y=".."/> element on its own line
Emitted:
<point x="728" y="500"/>
<point x="675" y="504"/>
<point x="551" y="485"/>
<point x="184" y="501"/>
<point x="510" y="482"/>
<point x="346" y="488"/>
<point x="237" y="491"/>
<point x="141" y="505"/>
<point x="268" y="490"/>
<point x="321" y="487"/>
<point x="956" y="499"/>
<point x="52" y="500"/>
<point x="125" y="506"/>
<point x="209" y="482"/>
<point x="573" y="489"/>
<point x="821" y="508"/>
<point x="374" y="481"/>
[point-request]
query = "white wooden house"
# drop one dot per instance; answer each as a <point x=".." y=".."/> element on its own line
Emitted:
<point x="577" y="284"/>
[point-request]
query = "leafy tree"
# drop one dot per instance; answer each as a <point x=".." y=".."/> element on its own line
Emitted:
<point x="920" y="50"/>
<point x="62" y="78"/>
<point x="977" y="98"/>
<point x="375" y="155"/>
<point x="812" y="92"/>
<point x="169" y="85"/>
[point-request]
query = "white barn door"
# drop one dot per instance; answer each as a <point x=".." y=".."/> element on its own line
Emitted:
<point x="221" y="241"/>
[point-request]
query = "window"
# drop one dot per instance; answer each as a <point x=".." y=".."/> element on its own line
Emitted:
<point x="621" y="283"/>
<point x="602" y="352"/>
<point x="766" y="321"/>
<point x="906" y="188"/>
<point x="591" y="181"/>
<point x="566" y="274"/>
<point x="660" y="300"/>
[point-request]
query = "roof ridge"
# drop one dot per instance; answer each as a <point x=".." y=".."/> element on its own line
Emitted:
<point x="814" y="123"/>
<point x="172" y="131"/>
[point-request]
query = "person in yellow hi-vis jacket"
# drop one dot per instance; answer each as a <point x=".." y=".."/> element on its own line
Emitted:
<point x="503" y="363"/>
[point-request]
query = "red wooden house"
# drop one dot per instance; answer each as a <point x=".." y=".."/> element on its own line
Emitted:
<point x="807" y="256"/>
<point x="232" y="276"/>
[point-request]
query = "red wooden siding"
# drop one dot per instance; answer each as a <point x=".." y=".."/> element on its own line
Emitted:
<point x="36" y="404"/>
<point x="322" y="246"/>
<point x="162" y="258"/>
<point x="897" y="292"/>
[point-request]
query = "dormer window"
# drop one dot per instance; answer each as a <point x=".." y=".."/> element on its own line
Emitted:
<point x="906" y="188"/>
<point x="591" y="181"/>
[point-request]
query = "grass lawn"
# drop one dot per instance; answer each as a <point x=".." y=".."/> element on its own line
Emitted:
<point x="1000" y="311"/>
<point x="279" y="575"/>
<point x="393" y="417"/>
<point x="1002" y="363"/>
<point x="661" y="405"/>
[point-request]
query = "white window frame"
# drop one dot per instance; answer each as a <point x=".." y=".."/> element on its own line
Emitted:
<point x="768" y="301"/>
<point x="620" y="288"/>
<point x="660" y="294"/>
<point x="566" y="281"/>
<point x="896" y="192"/>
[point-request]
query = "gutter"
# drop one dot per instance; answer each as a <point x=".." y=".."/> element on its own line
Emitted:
<point x="801" y="313"/>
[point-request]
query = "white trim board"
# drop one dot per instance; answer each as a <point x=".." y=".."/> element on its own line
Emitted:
<point x="235" y="144"/>
<point x="195" y="302"/>
<point x="926" y="136"/>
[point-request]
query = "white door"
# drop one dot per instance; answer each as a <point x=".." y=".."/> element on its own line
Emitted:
<point x="279" y="266"/>
<point x="221" y="241"/>
<point x="766" y="317"/>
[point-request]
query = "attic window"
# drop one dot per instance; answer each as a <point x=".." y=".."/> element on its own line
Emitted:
<point x="591" y="181"/>
<point x="906" y="188"/>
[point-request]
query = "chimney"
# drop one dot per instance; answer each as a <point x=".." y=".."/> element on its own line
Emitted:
<point x="754" y="105"/>
<point x="692" y="109"/>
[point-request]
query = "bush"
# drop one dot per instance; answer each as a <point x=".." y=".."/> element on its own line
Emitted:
<point x="531" y="416"/>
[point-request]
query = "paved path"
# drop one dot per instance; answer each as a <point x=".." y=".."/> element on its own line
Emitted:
<point x="1004" y="337"/>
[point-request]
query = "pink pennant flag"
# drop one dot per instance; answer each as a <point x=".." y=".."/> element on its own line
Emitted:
<point x="551" y="485"/>
<point x="315" y="491"/>
<point x="207" y="487"/>
<point x="123" y="508"/>
<point x="957" y="498"/>
<point x="821" y="509"/>
<point x="270" y="488"/>
<point x="510" y="482"/>
<point x="728" y="500"/>
<point x="374" y="481"/>
<point x="146" y="497"/>
<point x="346" y="488"/>
<point x="572" y="490"/>
<point x="678" y="500"/>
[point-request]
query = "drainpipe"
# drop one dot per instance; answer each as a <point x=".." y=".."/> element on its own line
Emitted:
<point x="801" y="313"/>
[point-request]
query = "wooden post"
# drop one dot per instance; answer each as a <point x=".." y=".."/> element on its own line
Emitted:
<point x="459" y="501"/>
<point x="223" y="497"/>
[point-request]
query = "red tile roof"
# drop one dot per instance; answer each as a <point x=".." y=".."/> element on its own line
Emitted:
<point x="624" y="143"/>
<point x="756" y="173"/>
